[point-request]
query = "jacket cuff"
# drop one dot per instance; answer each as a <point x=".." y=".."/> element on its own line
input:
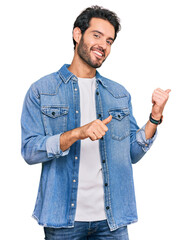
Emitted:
<point x="141" y="139"/>
<point x="53" y="147"/>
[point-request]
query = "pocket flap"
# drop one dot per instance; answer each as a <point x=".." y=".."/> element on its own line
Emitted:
<point x="119" y="114"/>
<point x="54" y="111"/>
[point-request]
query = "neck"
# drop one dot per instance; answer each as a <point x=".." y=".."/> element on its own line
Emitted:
<point x="81" y="69"/>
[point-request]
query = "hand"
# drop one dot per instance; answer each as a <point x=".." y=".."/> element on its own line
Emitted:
<point x="159" y="99"/>
<point x="94" y="130"/>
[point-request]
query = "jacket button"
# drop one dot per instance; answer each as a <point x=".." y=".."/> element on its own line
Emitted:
<point x="107" y="207"/>
<point x="103" y="161"/>
<point x="53" y="113"/>
<point x="97" y="93"/>
<point x="106" y="184"/>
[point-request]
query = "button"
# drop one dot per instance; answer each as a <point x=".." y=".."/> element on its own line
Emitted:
<point x="97" y="93"/>
<point x="53" y="113"/>
<point x="76" y="157"/>
<point x="77" y="111"/>
<point x="103" y="161"/>
<point x="119" y="116"/>
<point x="99" y="115"/>
<point x="76" y="89"/>
<point x="146" y="145"/>
<point x="107" y="207"/>
<point x="74" y="180"/>
<point x="72" y="204"/>
<point x="106" y="184"/>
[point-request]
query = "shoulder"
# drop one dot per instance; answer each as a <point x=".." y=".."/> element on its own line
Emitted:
<point x="47" y="85"/>
<point x="115" y="88"/>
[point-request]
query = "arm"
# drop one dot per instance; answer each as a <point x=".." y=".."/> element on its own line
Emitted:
<point x="142" y="139"/>
<point x="93" y="130"/>
<point x="37" y="147"/>
<point x="159" y="99"/>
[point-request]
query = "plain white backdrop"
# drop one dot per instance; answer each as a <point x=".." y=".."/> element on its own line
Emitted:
<point x="152" y="50"/>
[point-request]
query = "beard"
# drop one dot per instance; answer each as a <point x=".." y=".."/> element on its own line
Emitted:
<point x="84" y="54"/>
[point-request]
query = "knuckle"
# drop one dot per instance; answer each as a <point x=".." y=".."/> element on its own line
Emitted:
<point x="97" y="121"/>
<point x="99" y="135"/>
<point x="156" y="90"/>
<point x="88" y="132"/>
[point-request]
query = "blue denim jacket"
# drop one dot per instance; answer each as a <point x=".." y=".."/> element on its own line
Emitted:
<point x="51" y="107"/>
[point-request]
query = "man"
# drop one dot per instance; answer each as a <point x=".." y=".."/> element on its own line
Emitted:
<point x="80" y="126"/>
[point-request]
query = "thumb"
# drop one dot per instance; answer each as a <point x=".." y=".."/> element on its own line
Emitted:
<point x="168" y="91"/>
<point x="107" y="120"/>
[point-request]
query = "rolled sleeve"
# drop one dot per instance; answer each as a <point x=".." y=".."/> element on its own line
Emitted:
<point x="53" y="147"/>
<point x="141" y="139"/>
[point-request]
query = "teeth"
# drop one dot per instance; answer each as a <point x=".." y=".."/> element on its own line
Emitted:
<point x="98" y="53"/>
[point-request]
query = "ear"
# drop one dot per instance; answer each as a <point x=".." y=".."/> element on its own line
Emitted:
<point x="77" y="34"/>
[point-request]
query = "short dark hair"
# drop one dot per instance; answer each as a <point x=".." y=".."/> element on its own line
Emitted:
<point x="82" y="21"/>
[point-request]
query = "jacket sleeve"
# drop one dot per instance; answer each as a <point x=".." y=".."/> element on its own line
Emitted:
<point x="36" y="147"/>
<point x="139" y="145"/>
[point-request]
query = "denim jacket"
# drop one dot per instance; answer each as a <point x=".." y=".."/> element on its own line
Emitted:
<point x="51" y="107"/>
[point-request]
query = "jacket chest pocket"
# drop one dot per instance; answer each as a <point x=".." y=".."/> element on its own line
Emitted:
<point x="55" y="119"/>
<point x="120" y="123"/>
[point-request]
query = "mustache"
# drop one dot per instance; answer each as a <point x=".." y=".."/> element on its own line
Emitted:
<point x="100" y="49"/>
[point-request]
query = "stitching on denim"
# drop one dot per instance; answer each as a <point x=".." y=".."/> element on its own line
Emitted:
<point x="56" y="90"/>
<point x="107" y="88"/>
<point x="104" y="147"/>
<point x="74" y="93"/>
<point x="127" y="133"/>
<point x="34" y="91"/>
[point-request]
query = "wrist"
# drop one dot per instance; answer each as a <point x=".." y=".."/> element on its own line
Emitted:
<point x="155" y="119"/>
<point x="75" y="134"/>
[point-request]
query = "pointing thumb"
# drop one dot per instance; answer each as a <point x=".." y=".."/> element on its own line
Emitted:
<point x="107" y="120"/>
<point x="168" y="91"/>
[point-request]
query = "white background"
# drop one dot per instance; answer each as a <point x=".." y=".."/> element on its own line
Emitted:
<point x="152" y="50"/>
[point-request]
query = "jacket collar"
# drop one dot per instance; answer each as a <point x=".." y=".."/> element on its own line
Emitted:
<point x="66" y="75"/>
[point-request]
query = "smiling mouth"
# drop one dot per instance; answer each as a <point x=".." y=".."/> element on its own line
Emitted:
<point x="98" y="54"/>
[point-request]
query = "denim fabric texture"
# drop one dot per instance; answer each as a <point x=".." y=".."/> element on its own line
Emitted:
<point x="98" y="230"/>
<point x="51" y="107"/>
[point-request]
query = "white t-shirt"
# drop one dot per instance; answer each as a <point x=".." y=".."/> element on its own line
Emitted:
<point x="90" y="196"/>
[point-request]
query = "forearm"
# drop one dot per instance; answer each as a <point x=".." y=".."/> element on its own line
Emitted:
<point x="94" y="130"/>
<point x="159" y="99"/>
<point x="140" y="144"/>
<point x="68" y="138"/>
<point x="150" y="130"/>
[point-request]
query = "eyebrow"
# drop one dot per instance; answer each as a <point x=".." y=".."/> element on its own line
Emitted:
<point x="110" y="38"/>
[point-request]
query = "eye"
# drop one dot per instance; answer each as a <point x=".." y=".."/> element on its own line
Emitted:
<point x="96" y="35"/>
<point x="110" y="42"/>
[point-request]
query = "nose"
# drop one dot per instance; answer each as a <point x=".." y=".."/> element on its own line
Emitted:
<point x="103" y="44"/>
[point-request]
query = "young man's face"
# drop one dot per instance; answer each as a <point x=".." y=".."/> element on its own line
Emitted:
<point x="95" y="43"/>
